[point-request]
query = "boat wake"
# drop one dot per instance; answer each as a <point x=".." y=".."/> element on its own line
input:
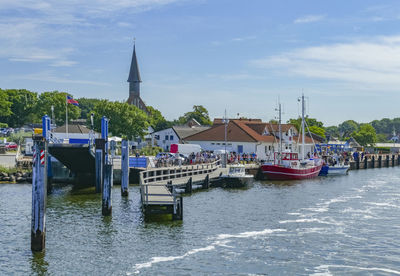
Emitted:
<point x="221" y="240"/>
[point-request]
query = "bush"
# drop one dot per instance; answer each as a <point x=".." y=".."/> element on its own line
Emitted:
<point x="3" y="125"/>
<point x="150" y="151"/>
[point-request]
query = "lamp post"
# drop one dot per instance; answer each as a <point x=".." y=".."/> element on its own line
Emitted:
<point x="52" y="115"/>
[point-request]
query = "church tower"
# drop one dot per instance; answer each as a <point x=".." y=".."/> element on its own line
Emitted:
<point x="134" y="83"/>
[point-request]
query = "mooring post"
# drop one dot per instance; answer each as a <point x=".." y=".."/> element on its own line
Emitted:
<point x="124" y="168"/>
<point x="206" y="183"/>
<point x="188" y="188"/>
<point x="380" y="161"/>
<point x="358" y="162"/>
<point x="398" y="159"/>
<point x="99" y="164"/>
<point x="392" y="160"/>
<point x="365" y="162"/>
<point x="104" y="135"/>
<point x="387" y="161"/>
<point x="107" y="183"/>
<point x="373" y="161"/>
<point x="39" y="195"/>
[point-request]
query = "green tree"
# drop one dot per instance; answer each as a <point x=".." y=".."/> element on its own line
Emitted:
<point x="23" y="103"/>
<point x="310" y="122"/>
<point x="157" y="120"/>
<point x="347" y="128"/>
<point x="199" y="113"/>
<point x="5" y="105"/>
<point x="366" y="135"/>
<point x="381" y="138"/>
<point x="332" y="131"/>
<point x="125" y="120"/>
<point x="58" y="100"/>
<point x="87" y="106"/>
<point x="318" y="130"/>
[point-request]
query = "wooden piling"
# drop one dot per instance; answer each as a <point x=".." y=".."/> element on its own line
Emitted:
<point x="206" y="183"/>
<point x="107" y="183"/>
<point x="392" y="160"/>
<point x="188" y="188"/>
<point x="380" y="161"/>
<point x="373" y="161"/>
<point x="39" y="195"/>
<point x="99" y="164"/>
<point x="387" y="161"/>
<point x="124" y="168"/>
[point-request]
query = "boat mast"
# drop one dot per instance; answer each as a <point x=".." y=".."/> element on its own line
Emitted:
<point x="302" y="127"/>
<point x="280" y="133"/>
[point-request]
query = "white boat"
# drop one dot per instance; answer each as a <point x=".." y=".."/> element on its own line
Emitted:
<point x="335" y="166"/>
<point x="236" y="177"/>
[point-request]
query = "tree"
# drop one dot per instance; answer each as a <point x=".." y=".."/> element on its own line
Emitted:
<point x="347" y="128"/>
<point x="87" y="106"/>
<point x="381" y="138"/>
<point x="332" y="131"/>
<point x="366" y="135"/>
<point x="58" y="100"/>
<point x="5" y="105"/>
<point x="199" y="113"/>
<point x="157" y="120"/>
<point x="125" y="120"/>
<point x="23" y="103"/>
<point x="310" y="122"/>
<point x="317" y="130"/>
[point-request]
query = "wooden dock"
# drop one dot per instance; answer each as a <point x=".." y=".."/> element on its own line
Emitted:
<point x="158" y="186"/>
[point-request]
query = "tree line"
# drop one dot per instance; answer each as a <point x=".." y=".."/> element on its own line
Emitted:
<point x="19" y="107"/>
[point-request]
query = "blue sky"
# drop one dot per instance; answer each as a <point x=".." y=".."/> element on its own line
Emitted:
<point x="234" y="55"/>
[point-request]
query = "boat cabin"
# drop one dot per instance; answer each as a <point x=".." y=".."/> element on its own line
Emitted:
<point x="237" y="170"/>
<point x="287" y="159"/>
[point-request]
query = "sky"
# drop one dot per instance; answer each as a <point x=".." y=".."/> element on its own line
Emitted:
<point x="242" y="56"/>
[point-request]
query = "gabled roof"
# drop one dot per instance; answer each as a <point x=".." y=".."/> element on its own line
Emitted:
<point x="134" y="75"/>
<point x="72" y="128"/>
<point x="238" y="130"/>
<point x="185" y="131"/>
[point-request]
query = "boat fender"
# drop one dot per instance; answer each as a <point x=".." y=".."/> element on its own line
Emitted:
<point x="294" y="163"/>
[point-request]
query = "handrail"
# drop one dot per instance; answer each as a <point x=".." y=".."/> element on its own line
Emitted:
<point x="177" y="171"/>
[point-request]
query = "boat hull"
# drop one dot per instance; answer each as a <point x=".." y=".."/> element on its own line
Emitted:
<point x="236" y="182"/>
<point x="274" y="172"/>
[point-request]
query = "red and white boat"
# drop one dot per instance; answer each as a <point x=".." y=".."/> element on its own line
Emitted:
<point x="286" y="165"/>
<point x="289" y="167"/>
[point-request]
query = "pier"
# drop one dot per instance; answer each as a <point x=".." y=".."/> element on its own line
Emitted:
<point x="158" y="187"/>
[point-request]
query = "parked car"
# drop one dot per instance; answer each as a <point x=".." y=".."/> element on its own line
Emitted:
<point x="11" y="145"/>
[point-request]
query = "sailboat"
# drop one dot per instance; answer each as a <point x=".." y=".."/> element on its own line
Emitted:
<point x="287" y="165"/>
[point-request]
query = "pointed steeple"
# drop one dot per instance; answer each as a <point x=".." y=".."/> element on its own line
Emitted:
<point x="134" y="75"/>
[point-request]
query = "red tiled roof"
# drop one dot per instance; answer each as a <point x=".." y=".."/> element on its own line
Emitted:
<point x="237" y="131"/>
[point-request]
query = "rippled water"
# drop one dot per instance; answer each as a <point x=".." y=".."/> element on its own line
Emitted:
<point x="326" y="226"/>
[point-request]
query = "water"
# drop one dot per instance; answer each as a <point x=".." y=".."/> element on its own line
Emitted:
<point x="326" y="226"/>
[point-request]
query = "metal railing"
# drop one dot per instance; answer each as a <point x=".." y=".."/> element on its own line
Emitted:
<point x="165" y="174"/>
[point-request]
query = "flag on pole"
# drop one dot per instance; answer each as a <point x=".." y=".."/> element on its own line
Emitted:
<point x="70" y="100"/>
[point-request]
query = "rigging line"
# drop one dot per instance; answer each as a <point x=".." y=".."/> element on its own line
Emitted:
<point x="315" y="147"/>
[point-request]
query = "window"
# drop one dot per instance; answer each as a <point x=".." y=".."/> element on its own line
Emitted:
<point x="166" y="137"/>
<point x="171" y="137"/>
<point x="217" y="143"/>
<point x="212" y="143"/>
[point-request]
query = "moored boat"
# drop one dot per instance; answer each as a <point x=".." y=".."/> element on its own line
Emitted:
<point x="287" y="165"/>
<point x="236" y="177"/>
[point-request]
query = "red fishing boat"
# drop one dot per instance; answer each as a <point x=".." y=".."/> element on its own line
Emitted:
<point x="286" y="165"/>
<point x="289" y="167"/>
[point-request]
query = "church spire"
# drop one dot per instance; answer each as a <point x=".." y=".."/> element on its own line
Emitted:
<point x="134" y="75"/>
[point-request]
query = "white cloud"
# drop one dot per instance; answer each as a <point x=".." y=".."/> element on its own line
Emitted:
<point x="368" y="63"/>
<point x="309" y="19"/>
<point x="49" y="76"/>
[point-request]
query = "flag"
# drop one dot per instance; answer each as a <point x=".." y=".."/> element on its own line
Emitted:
<point x="70" y="100"/>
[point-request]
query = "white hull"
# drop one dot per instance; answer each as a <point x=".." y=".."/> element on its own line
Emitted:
<point x="338" y="170"/>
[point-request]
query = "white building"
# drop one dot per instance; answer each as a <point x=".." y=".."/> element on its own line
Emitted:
<point x="175" y="135"/>
<point x="249" y="136"/>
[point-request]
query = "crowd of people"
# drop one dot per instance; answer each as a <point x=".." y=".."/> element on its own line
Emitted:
<point x="177" y="159"/>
